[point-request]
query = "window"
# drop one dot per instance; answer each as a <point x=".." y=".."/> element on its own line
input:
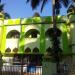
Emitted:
<point x="8" y="50"/>
<point x="15" y="50"/>
<point x="27" y="50"/>
<point x="49" y="51"/>
<point x="13" y="34"/>
<point x="36" y="50"/>
<point x="32" y="33"/>
<point x="50" y="31"/>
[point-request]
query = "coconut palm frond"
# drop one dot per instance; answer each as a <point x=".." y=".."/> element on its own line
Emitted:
<point x="35" y="3"/>
<point x="74" y="0"/>
<point x="57" y="11"/>
<point x="1" y="7"/>
<point x="57" y="7"/>
<point x="43" y="4"/>
<point x="0" y="1"/>
<point x="57" y="4"/>
<point x="27" y="1"/>
<point x="65" y="2"/>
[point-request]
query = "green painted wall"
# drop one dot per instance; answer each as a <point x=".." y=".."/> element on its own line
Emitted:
<point x="65" y="41"/>
<point x="35" y="21"/>
<point x="22" y="39"/>
<point x="3" y="42"/>
<point x="42" y="39"/>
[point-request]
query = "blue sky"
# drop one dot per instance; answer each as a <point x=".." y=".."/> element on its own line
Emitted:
<point x="19" y="9"/>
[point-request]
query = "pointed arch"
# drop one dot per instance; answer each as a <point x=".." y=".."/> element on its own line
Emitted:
<point x="33" y="33"/>
<point x="8" y="50"/>
<point x="35" y="50"/>
<point x="15" y="50"/>
<point x="27" y="50"/>
<point x="13" y="34"/>
<point x="48" y="50"/>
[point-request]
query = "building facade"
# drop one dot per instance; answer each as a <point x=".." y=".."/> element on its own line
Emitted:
<point x="31" y="36"/>
<point x="18" y="35"/>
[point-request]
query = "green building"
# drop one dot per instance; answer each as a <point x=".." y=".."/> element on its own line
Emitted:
<point x="17" y="35"/>
<point x="30" y="36"/>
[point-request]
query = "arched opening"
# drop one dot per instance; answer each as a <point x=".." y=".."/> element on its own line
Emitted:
<point x="32" y="33"/>
<point x="48" y="51"/>
<point x="13" y="34"/>
<point x="47" y="33"/>
<point x="52" y="31"/>
<point x="35" y="50"/>
<point x="27" y="50"/>
<point x="8" y="50"/>
<point x="15" y="50"/>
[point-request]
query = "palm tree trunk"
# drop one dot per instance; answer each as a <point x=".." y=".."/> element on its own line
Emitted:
<point x="54" y="27"/>
<point x="53" y="13"/>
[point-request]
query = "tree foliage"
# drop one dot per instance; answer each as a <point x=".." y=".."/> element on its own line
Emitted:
<point x="6" y="15"/>
<point x="58" y="4"/>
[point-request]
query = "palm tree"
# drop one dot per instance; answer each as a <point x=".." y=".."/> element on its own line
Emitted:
<point x="54" y="32"/>
<point x="6" y="15"/>
<point x="1" y="7"/>
<point x="56" y="3"/>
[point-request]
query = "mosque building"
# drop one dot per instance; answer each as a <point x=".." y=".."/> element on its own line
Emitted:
<point x="31" y="35"/>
